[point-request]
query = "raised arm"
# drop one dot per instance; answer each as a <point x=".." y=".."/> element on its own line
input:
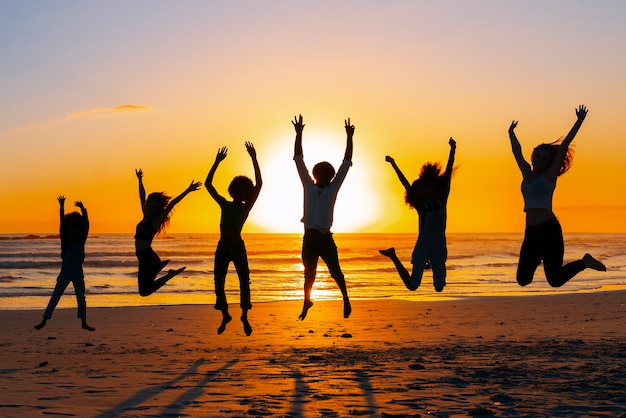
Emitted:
<point x="581" y="113"/>
<point x="83" y="210"/>
<point x="450" y="164"/>
<point x="401" y="176"/>
<point x="349" y="133"/>
<point x="193" y="186"/>
<point x="61" y="200"/>
<point x="299" y="127"/>
<point x="258" y="181"/>
<point x="208" y="183"/>
<point x="517" y="150"/>
<point x="448" y="173"/>
<point x="142" y="190"/>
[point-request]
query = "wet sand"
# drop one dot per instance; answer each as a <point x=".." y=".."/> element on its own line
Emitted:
<point x="540" y="356"/>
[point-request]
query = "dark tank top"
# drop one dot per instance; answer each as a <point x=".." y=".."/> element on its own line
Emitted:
<point x="144" y="231"/>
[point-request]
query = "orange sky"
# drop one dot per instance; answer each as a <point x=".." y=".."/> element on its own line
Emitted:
<point x="93" y="91"/>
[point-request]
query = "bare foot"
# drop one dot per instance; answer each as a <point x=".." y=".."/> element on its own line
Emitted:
<point x="87" y="327"/>
<point x="226" y="318"/>
<point x="171" y="273"/>
<point x="163" y="264"/>
<point x="246" y="326"/>
<point x="305" y="309"/>
<point x="389" y="252"/>
<point x="347" y="308"/>
<point x="592" y="263"/>
<point x="40" y="325"/>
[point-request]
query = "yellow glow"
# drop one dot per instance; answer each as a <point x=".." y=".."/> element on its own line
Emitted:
<point x="167" y="110"/>
<point x="280" y="205"/>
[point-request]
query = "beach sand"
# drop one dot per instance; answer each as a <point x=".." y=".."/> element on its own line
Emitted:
<point x="539" y="356"/>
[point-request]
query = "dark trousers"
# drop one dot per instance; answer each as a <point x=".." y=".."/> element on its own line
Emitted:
<point x="315" y="245"/>
<point x="149" y="267"/>
<point x="545" y="242"/>
<point x="224" y="254"/>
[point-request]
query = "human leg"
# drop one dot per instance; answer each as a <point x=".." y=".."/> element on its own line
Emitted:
<point x="310" y="257"/>
<point x="330" y="256"/>
<point x="247" y="328"/>
<point x="529" y="257"/>
<point x="419" y="258"/>
<point x="402" y="271"/>
<point x="557" y="274"/>
<point x="240" y="260"/>
<point x="149" y="267"/>
<point x="62" y="281"/>
<point x="220" y="269"/>
<point x="79" y="290"/>
<point x="438" y="258"/>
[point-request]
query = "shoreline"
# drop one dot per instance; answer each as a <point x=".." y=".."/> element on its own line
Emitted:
<point x="68" y="300"/>
<point x="553" y="355"/>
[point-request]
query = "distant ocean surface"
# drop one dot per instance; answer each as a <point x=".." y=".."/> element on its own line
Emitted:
<point x="478" y="265"/>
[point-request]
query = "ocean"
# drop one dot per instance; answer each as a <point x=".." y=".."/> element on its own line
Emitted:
<point x="479" y="265"/>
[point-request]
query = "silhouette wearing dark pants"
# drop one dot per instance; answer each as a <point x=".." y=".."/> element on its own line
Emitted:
<point x="428" y="195"/>
<point x="231" y="246"/>
<point x="545" y="242"/>
<point x="320" y="194"/>
<point x="156" y="210"/>
<point x="543" y="237"/>
<point x="74" y="229"/>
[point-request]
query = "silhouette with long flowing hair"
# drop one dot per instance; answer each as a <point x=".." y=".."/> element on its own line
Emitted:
<point x="231" y="246"/>
<point x="543" y="236"/>
<point x="156" y="209"/>
<point x="428" y="195"/>
<point x="320" y="194"/>
<point x="74" y="228"/>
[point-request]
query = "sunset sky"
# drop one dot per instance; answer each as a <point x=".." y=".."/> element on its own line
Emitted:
<point x="92" y="90"/>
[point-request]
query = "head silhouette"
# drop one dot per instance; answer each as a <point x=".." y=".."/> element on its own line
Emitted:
<point x="241" y="188"/>
<point x="74" y="226"/>
<point x="155" y="205"/>
<point x="544" y="154"/>
<point x="428" y="184"/>
<point x="323" y="173"/>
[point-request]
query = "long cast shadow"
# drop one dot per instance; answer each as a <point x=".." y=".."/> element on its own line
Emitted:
<point x="149" y="392"/>
<point x="302" y="392"/>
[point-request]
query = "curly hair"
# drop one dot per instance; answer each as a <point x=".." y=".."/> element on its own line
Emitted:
<point x="430" y="181"/>
<point x="242" y="186"/>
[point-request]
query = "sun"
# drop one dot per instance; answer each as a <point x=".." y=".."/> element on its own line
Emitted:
<point x="279" y="208"/>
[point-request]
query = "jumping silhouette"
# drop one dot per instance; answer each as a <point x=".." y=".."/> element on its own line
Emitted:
<point x="543" y="236"/>
<point x="231" y="246"/>
<point x="320" y="194"/>
<point x="73" y="230"/>
<point x="428" y="195"/>
<point x="156" y="209"/>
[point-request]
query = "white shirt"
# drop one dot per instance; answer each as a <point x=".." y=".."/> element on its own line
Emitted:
<point x="319" y="203"/>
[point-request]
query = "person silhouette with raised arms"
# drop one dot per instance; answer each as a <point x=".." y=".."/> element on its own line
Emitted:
<point x="543" y="236"/>
<point x="231" y="246"/>
<point x="320" y="195"/>
<point x="428" y="195"/>
<point x="156" y="209"/>
<point x="73" y="230"/>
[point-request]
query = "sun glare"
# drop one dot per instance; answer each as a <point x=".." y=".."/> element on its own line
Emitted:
<point x="280" y="205"/>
